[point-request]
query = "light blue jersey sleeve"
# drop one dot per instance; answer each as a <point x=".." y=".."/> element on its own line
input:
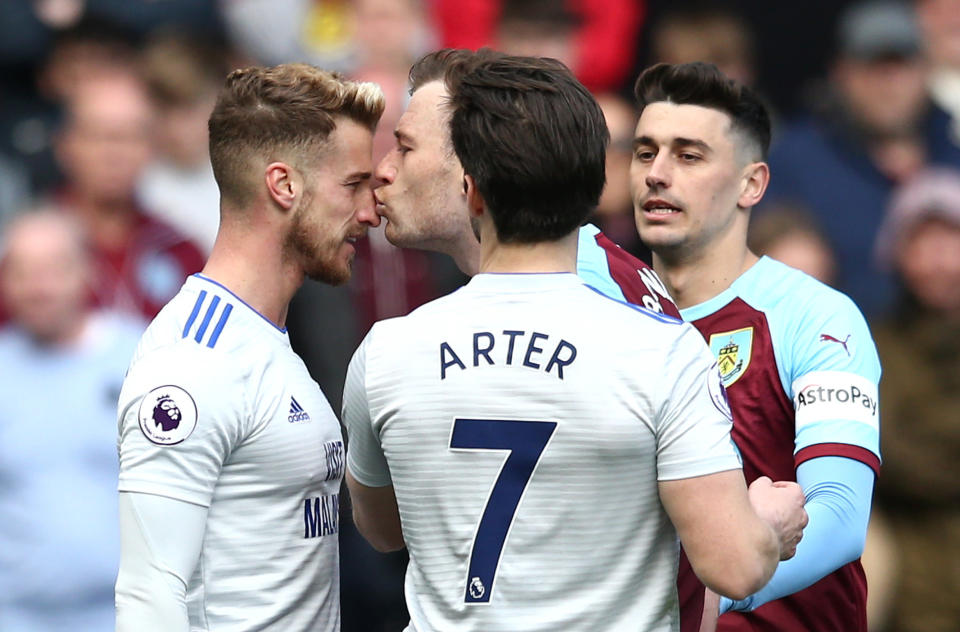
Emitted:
<point x="828" y="366"/>
<point x="839" y="492"/>
<point x="365" y="458"/>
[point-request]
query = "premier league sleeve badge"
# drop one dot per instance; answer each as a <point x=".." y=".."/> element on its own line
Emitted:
<point x="167" y="415"/>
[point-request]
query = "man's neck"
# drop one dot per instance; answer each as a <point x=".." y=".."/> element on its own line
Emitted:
<point x="546" y="256"/>
<point x="693" y="278"/>
<point x="466" y="254"/>
<point x="250" y="264"/>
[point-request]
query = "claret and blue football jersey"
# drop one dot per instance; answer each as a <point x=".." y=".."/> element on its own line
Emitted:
<point x="605" y="266"/>
<point x="801" y="372"/>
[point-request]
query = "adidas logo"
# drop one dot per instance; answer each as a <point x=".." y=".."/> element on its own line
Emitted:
<point x="297" y="413"/>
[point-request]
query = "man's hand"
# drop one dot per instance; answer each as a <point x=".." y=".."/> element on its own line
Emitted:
<point x="780" y="504"/>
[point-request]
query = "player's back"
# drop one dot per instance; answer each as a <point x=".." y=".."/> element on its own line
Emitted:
<point x="522" y="427"/>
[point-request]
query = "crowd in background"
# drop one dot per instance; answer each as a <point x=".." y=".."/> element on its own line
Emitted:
<point x="103" y="110"/>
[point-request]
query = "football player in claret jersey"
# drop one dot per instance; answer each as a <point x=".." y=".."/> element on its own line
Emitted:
<point x="795" y="356"/>
<point x="230" y="456"/>
<point x="420" y="193"/>
<point x="526" y="437"/>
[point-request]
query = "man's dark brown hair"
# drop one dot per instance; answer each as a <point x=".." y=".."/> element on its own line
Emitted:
<point x="702" y="84"/>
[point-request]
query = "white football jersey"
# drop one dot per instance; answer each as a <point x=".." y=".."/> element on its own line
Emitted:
<point x="217" y="410"/>
<point x="524" y="422"/>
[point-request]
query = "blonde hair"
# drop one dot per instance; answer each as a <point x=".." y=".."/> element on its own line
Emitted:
<point x="273" y="112"/>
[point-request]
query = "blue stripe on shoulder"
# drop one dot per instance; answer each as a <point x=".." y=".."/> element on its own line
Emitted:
<point x="663" y="318"/>
<point x="220" y="325"/>
<point x="207" y="318"/>
<point x="194" y="313"/>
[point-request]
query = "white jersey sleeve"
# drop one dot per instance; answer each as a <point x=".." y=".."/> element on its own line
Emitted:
<point x="693" y="431"/>
<point x="365" y="458"/>
<point x="180" y="418"/>
<point x="160" y="542"/>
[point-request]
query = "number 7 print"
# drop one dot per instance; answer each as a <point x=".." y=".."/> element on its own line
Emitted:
<point x="525" y="442"/>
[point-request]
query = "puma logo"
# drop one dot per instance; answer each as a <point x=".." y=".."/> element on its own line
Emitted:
<point x="843" y="343"/>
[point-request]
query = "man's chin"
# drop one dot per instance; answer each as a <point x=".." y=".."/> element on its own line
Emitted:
<point x="396" y="236"/>
<point x="330" y="274"/>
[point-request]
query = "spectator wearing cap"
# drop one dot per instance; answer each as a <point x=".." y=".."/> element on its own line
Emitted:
<point x="919" y="492"/>
<point x="871" y="128"/>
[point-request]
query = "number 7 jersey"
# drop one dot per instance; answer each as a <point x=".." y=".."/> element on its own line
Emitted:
<point x="524" y="422"/>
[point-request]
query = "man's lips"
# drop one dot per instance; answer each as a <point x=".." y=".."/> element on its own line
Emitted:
<point x="355" y="237"/>
<point x="381" y="206"/>
<point x="658" y="206"/>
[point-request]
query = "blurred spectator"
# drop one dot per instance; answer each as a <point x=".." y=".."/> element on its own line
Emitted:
<point x="614" y="213"/>
<point x="538" y="28"/>
<point x="140" y="16"/>
<point x="59" y="541"/>
<point x="919" y="491"/>
<point x="31" y="107"/>
<point x="389" y="35"/>
<point x="51" y="42"/>
<point x="604" y="38"/>
<point x="792" y="236"/>
<point x="704" y="31"/>
<point x="140" y="262"/>
<point x="183" y="74"/>
<point x="873" y="128"/>
<point x="940" y="22"/>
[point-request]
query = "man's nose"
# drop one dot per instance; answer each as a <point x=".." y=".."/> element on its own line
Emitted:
<point x="658" y="175"/>
<point x="385" y="173"/>
<point x="367" y="209"/>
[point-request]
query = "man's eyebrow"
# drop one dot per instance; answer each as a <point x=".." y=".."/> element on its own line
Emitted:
<point x="677" y="143"/>
<point x="358" y="175"/>
<point x="692" y="142"/>
<point x="401" y="136"/>
<point x="642" y="140"/>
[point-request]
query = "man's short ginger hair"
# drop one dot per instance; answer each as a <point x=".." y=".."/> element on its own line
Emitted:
<point x="281" y="113"/>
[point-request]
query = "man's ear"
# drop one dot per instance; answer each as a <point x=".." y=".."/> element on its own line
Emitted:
<point x="756" y="177"/>
<point x="283" y="184"/>
<point x="475" y="203"/>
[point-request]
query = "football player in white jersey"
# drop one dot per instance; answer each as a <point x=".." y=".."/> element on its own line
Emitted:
<point x="526" y="437"/>
<point x="230" y="456"/>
